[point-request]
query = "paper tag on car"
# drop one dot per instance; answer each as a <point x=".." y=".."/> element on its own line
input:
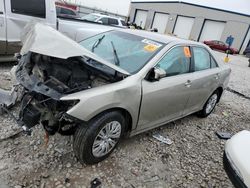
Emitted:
<point x="150" y="42"/>
<point x="187" y="52"/>
<point x="151" y="45"/>
<point x="150" y="48"/>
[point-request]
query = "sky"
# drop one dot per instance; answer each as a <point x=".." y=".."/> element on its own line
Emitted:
<point x="115" y="6"/>
<point x="122" y="6"/>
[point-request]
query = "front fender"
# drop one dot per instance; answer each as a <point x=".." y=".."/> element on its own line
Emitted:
<point x="96" y="100"/>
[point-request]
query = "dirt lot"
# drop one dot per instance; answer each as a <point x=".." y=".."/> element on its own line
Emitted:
<point x="193" y="160"/>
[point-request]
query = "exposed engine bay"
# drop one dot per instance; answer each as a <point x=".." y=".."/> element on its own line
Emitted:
<point x="47" y="79"/>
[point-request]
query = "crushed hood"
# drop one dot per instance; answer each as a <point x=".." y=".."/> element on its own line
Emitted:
<point x="43" y="39"/>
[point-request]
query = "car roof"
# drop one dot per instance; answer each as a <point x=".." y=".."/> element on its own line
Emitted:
<point x="163" y="38"/>
<point x="105" y="15"/>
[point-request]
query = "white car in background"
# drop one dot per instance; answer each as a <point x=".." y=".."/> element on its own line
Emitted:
<point x="237" y="159"/>
<point x="104" y="19"/>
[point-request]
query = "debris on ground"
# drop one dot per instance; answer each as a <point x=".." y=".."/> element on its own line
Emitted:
<point x="162" y="139"/>
<point x="225" y="114"/>
<point x="96" y="183"/>
<point x="224" y="135"/>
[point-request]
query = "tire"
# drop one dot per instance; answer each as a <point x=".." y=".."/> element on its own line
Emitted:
<point x="95" y="133"/>
<point x="212" y="101"/>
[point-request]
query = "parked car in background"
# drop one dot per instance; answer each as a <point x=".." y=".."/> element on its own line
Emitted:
<point x="14" y="16"/>
<point x="221" y="46"/>
<point x="247" y="52"/>
<point x="105" y="19"/>
<point x="236" y="159"/>
<point x="116" y="83"/>
<point x="65" y="12"/>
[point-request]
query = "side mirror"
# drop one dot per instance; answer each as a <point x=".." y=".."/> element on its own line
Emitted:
<point x="100" y="22"/>
<point x="155" y="74"/>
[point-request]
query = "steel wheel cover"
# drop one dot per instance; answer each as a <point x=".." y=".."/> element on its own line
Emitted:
<point x="106" y="139"/>
<point x="211" y="103"/>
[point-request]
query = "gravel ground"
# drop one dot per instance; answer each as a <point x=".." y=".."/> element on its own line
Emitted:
<point x="193" y="160"/>
<point x="240" y="76"/>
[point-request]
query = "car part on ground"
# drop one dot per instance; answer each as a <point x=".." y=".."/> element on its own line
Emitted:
<point x="8" y="98"/>
<point x="236" y="159"/>
<point x="95" y="183"/>
<point x="163" y="139"/>
<point x="224" y="135"/>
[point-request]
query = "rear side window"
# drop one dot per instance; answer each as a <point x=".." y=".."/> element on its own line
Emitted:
<point x="201" y="58"/>
<point x="113" y="21"/>
<point x="176" y="62"/>
<point x="34" y="8"/>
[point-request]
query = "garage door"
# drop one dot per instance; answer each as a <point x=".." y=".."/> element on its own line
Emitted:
<point x="246" y="42"/>
<point x="160" y="22"/>
<point x="183" y="27"/>
<point x="212" y="30"/>
<point x="140" y="18"/>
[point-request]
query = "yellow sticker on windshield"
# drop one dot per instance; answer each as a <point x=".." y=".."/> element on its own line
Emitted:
<point x="150" y="47"/>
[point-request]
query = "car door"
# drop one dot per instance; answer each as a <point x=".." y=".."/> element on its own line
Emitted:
<point x="165" y="99"/>
<point x="204" y="80"/>
<point x="2" y="29"/>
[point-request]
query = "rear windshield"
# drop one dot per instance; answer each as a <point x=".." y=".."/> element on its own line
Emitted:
<point x="133" y="52"/>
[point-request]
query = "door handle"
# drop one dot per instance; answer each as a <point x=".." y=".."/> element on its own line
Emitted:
<point x="188" y="83"/>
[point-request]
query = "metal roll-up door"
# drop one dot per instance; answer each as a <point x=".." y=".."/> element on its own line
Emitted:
<point x="160" y="22"/>
<point x="212" y="30"/>
<point x="183" y="27"/>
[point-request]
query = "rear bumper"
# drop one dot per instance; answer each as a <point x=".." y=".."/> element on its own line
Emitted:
<point x="235" y="179"/>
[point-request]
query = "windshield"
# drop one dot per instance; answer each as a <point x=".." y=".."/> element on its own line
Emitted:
<point x="127" y="51"/>
<point x="90" y="17"/>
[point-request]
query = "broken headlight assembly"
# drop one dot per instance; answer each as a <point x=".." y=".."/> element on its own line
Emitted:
<point x="39" y="109"/>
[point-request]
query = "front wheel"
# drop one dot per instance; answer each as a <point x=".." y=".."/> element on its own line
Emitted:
<point x="209" y="105"/>
<point x="96" y="142"/>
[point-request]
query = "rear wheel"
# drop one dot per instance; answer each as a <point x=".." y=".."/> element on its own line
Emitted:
<point x="96" y="142"/>
<point x="209" y="105"/>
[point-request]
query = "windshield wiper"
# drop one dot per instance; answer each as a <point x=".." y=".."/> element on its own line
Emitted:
<point x="117" y="61"/>
<point x="96" y="44"/>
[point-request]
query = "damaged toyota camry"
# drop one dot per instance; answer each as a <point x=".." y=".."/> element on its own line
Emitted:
<point x="114" y="84"/>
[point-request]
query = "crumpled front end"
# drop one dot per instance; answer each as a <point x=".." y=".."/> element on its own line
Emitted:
<point x="46" y="80"/>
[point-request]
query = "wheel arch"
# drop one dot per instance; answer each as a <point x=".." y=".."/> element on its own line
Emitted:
<point x="220" y="90"/>
<point x="126" y="114"/>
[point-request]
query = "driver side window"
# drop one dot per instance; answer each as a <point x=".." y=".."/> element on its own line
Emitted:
<point x="177" y="61"/>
